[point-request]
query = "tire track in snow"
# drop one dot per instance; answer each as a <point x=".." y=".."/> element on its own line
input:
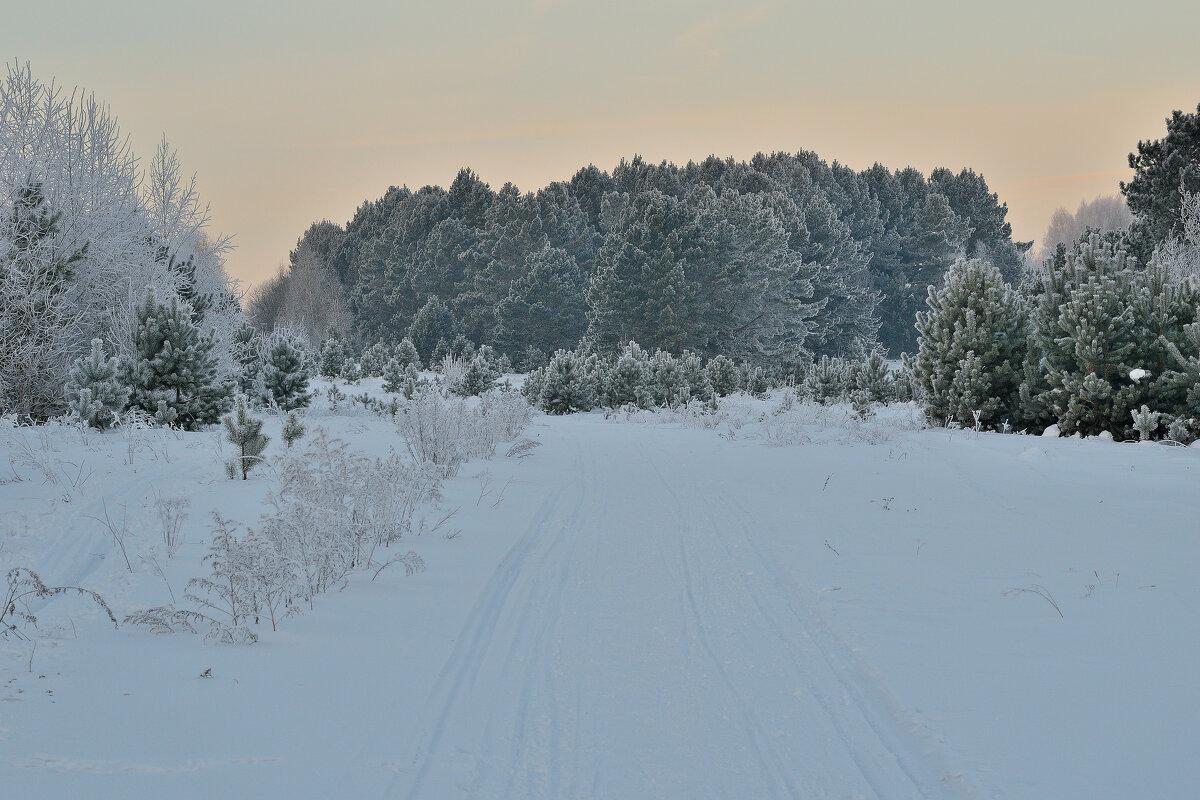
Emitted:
<point x="518" y="591"/>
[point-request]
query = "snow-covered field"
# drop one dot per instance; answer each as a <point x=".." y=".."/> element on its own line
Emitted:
<point x="647" y="606"/>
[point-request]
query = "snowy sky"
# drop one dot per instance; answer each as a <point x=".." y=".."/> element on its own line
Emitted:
<point x="297" y="111"/>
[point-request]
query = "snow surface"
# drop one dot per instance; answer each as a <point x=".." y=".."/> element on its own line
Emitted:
<point x="641" y="608"/>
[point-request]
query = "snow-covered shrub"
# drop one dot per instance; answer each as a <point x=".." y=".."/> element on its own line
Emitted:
<point x="24" y="586"/>
<point x="506" y="412"/>
<point x="95" y="394"/>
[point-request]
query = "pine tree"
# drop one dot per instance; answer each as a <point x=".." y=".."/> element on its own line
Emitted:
<point x="695" y="376"/>
<point x="393" y="375"/>
<point x="667" y="379"/>
<point x="978" y="323"/>
<point x="722" y="375"/>
<point x="828" y="380"/>
<point x="173" y="366"/>
<point x="285" y="373"/>
<point x="293" y="428"/>
<point x="628" y="381"/>
<point x="406" y="353"/>
<point x="374" y="359"/>
<point x="332" y="356"/>
<point x="350" y="371"/>
<point x="95" y="393"/>
<point x="1086" y="332"/>
<point x="566" y="386"/>
<point x="245" y="431"/>
<point x="477" y="378"/>
<point x="873" y="377"/>
<point x="433" y="323"/>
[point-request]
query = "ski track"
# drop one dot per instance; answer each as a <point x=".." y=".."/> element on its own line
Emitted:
<point x="637" y="641"/>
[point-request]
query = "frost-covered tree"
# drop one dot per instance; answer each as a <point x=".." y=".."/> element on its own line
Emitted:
<point x="293" y="428"/>
<point x="107" y="230"/>
<point x="722" y="375"/>
<point x="566" y="385"/>
<point x="95" y="393"/>
<point x="628" y="381"/>
<point x="245" y="432"/>
<point x="873" y="378"/>
<point x="975" y="324"/>
<point x="406" y="353"/>
<point x="477" y="377"/>
<point x="1162" y="168"/>
<point x="332" y="356"/>
<point x="285" y="372"/>
<point x="1086" y="332"/>
<point x="174" y="364"/>
<point x="828" y="380"/>
<point x="432" y="323"/>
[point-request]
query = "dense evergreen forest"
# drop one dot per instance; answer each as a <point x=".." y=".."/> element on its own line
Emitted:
<point x="772" y="260"/>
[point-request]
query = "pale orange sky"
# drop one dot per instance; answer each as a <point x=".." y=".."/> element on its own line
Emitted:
<point x="297" y="111"/>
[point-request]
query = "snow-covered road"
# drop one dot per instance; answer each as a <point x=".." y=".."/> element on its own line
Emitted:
<point x="637" y="642"/>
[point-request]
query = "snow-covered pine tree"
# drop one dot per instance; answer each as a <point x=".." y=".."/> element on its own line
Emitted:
<point x="293" y="428"/>
<point x="628" y="381"/>
<point x="476" y="378"/>
<point x="1087" y="334"/>
<point x="667" y="379"/>
<point x="694" y="374"/>
<point x="332" y="355"/>
<point x="722" y="375"/>
<point x="350" y="371"/>
<point x="566" y="386"/>
<point x="95" y="393"/>
<point x="374" y="359"/>
<point x="976" y="322"/>
<point x="285" y="372"/>
<point x="406" y="353"/>
<point x="248" y="358"/>
<point x="873" y="377"/>
<point x="245" y="432"/>
<point x="434" y="322"/>
<point x="173" y="364"/>
<point x="828" y="380"/>
<point x="393" y="375"/>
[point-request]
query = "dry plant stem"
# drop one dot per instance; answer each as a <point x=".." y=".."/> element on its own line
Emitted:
<point x="118" y="535"/>
<point x="1040" y="591"/>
